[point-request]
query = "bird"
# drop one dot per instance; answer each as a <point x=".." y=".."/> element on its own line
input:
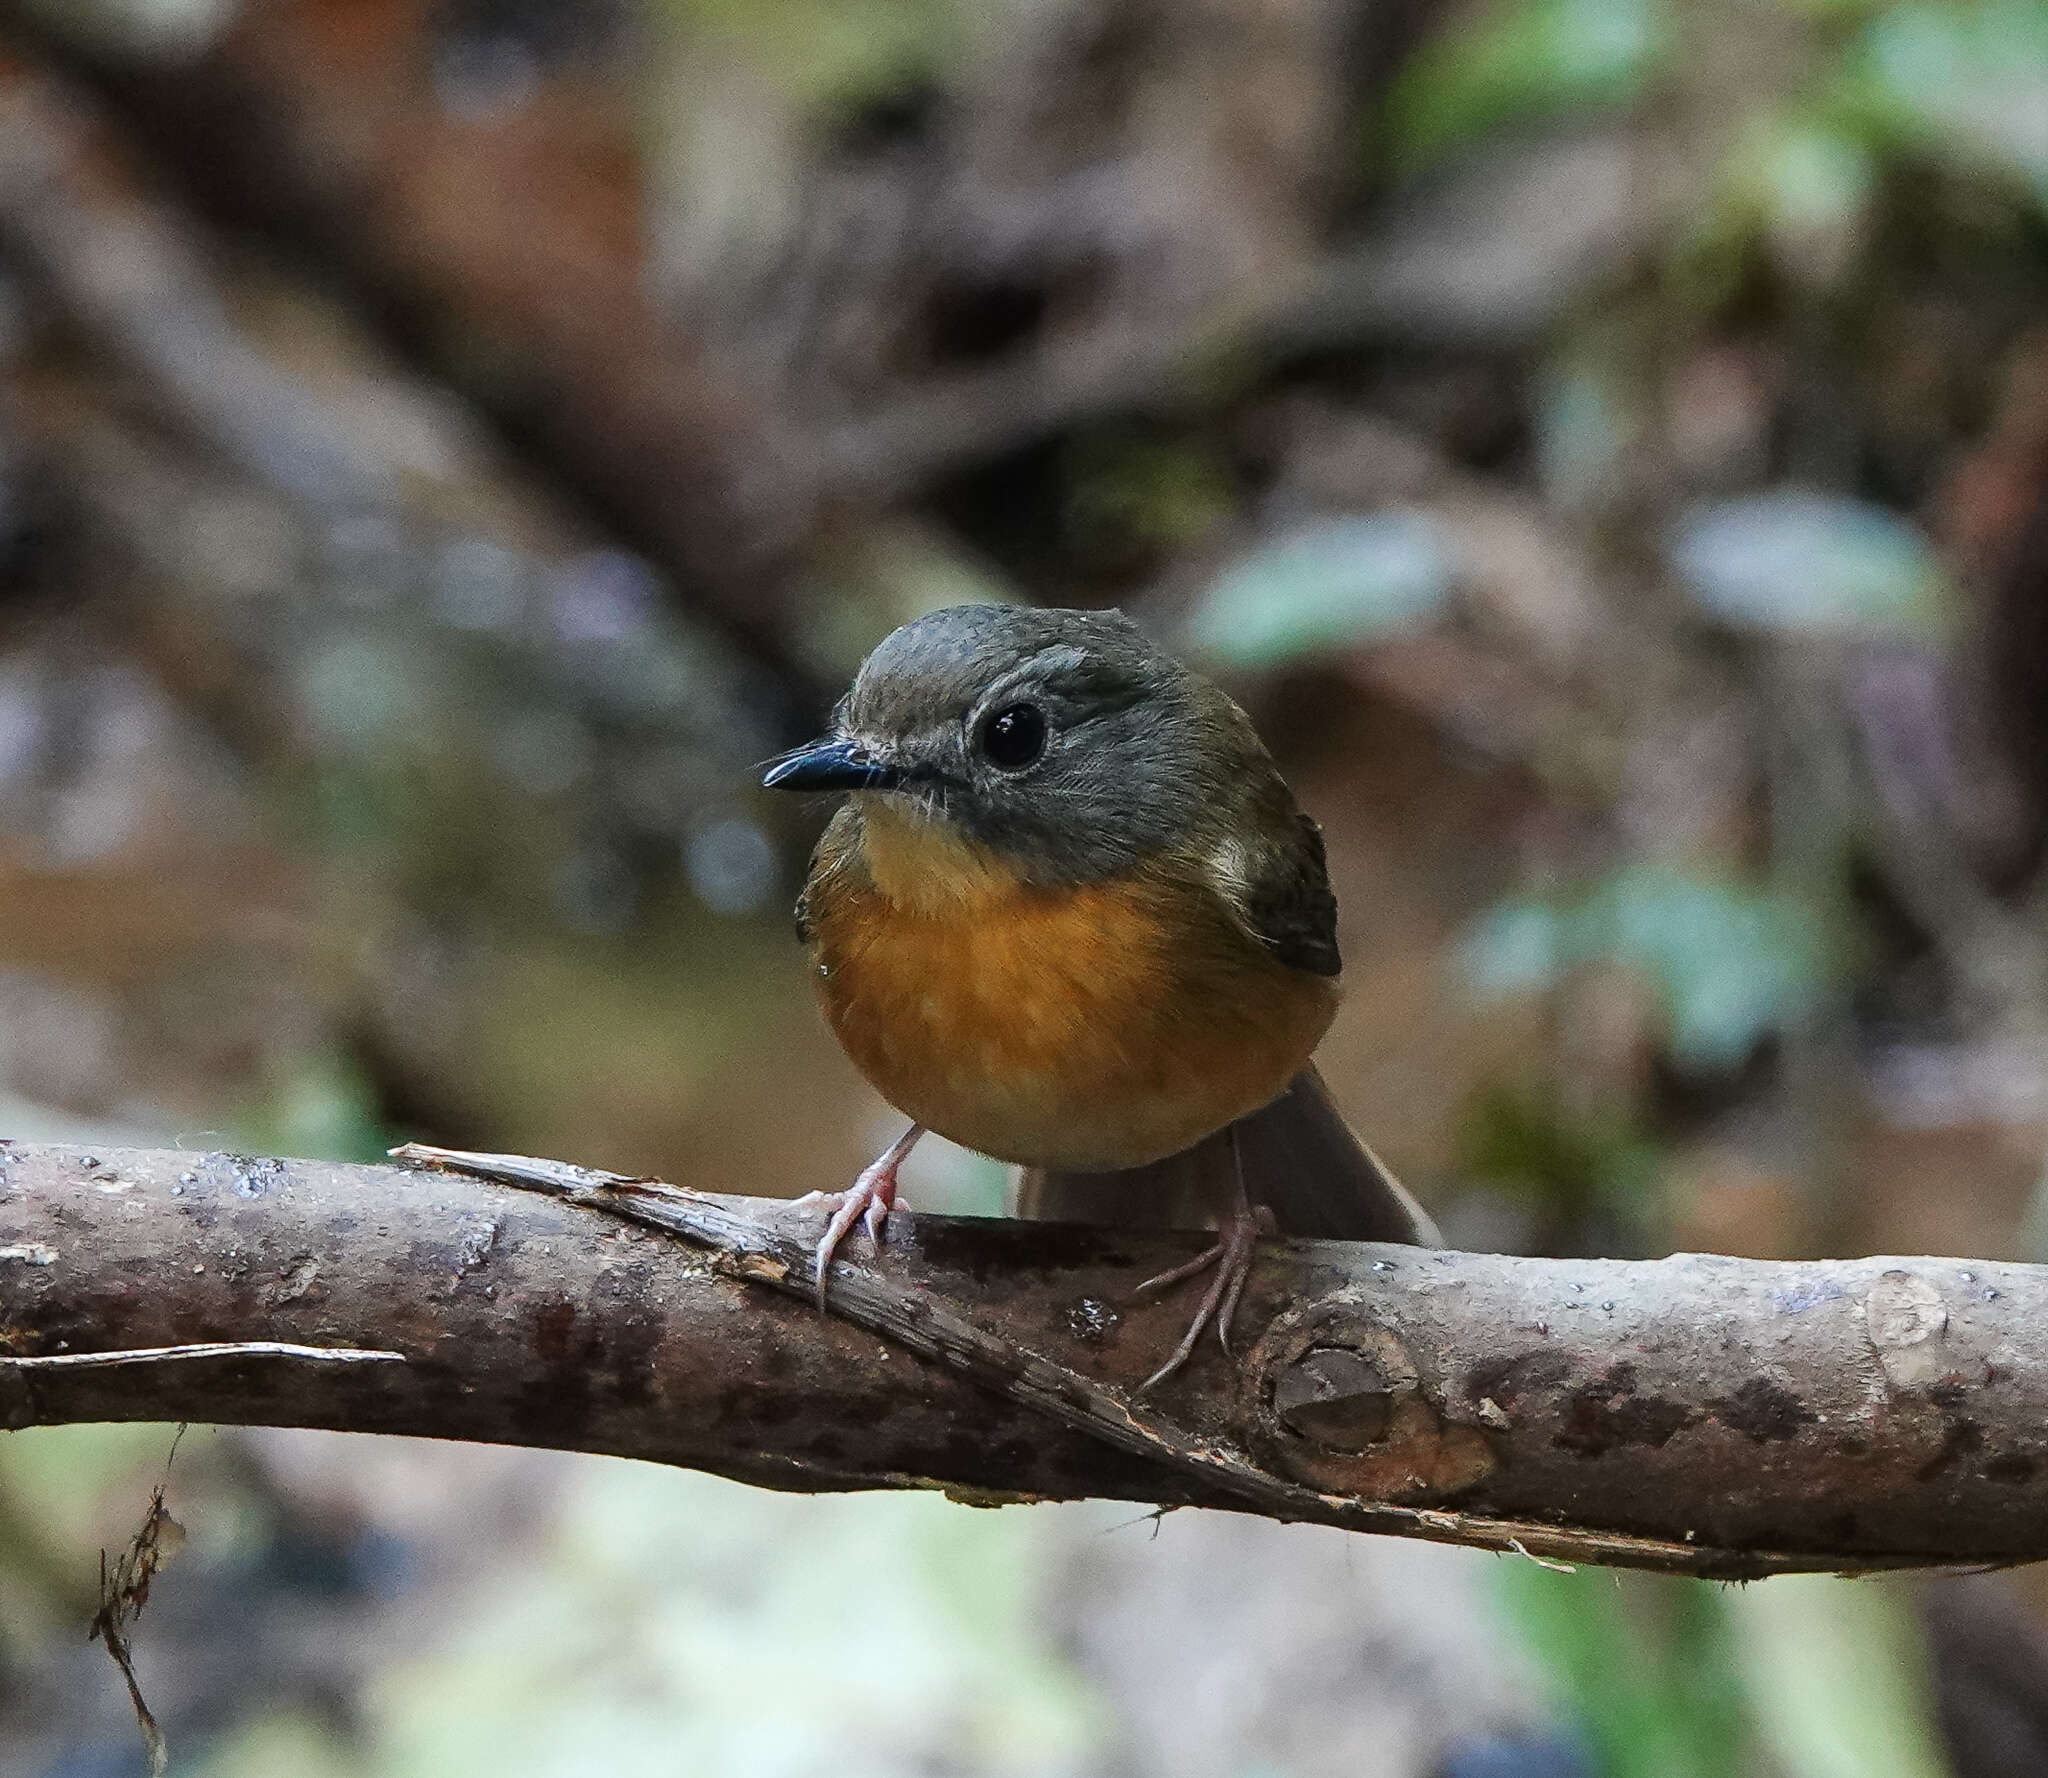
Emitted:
<point x="1071" y="917"/>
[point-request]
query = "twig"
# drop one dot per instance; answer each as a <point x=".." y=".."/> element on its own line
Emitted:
<point x="51" y="1361"/>
<point x="124" y="1593"/>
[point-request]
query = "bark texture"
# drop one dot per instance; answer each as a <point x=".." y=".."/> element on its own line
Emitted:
<point x="1697" y="1413"/>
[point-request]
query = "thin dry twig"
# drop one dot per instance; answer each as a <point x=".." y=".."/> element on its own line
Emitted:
<point x="51" y="1361"/>
<point x="125" y="1591"/>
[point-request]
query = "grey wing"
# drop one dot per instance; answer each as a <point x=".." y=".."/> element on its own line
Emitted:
<point x="1283" y="899"/>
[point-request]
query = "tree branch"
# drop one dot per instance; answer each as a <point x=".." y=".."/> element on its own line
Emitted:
<point x="1696" y="1414"/>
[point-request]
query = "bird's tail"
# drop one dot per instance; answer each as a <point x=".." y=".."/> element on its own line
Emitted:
<point x="1300" y="1160"/>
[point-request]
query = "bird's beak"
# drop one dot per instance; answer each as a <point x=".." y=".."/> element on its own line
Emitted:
<point x="831" y="765"/>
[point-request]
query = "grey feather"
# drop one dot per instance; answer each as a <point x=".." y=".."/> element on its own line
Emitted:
<point x="1300" y="1160"/>
<point x="1144" y="760"/>
<point x="1287" y="905"/>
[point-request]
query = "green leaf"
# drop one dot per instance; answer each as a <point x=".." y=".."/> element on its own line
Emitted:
<point x="1522" y="60"/>
<point x="1816" y="178"/>
<point x="1730" y="963"/>
<point x="1325" y="587"/>
<point x="324" y="1106"/>
<point x="1837" y="1678"/>
<point x="1644" y="1666"/>
<point x="1794" y="562"/>
<point x="1568" y="1161"/>
<point x="1968" y="83"/>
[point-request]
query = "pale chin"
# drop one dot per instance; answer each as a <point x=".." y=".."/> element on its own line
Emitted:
<point x="914" y="806"/>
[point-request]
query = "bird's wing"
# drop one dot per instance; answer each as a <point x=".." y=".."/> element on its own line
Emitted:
<point x="1277" y="888"/>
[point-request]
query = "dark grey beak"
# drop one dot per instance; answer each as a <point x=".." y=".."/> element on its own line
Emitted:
<point x="831" y="765"/>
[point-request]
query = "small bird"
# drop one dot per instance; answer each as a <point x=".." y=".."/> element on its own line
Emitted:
<point x="1070" y="916"/>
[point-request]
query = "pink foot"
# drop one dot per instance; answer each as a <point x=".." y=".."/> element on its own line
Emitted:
<point x="1231" y="1257"/>
<point x="868" y="1200"/>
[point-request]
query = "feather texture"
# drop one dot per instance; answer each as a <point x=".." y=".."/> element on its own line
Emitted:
<point x="1300" y="1159"/>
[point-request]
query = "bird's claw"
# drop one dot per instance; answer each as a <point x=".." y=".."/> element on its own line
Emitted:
<point x="1231" y="1258"/>
<point x="847" y="1208"/>
<point x="867" y="1201"/>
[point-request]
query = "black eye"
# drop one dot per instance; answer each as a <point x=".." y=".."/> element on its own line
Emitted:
<point x="1014" y="736"/>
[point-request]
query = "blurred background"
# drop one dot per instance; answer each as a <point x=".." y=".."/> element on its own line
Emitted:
<point x="444" y="447"/>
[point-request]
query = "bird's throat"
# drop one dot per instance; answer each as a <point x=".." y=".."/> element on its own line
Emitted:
<point x="922" y="864"/>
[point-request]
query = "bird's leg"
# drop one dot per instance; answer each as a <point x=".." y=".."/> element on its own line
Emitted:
<point x="1231" y="1258"/>
<point x="869" y="1199"/>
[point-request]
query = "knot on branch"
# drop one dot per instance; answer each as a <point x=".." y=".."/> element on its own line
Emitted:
<point x="1338" y="1401"/>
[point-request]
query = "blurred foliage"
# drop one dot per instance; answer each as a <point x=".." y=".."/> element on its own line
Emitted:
<point x="323" y="1107"/>
<point x="1822" y="1678"/>
<point x="1959" y="83"/>
<point x="1731" y="964"/>
<point x="1836" y="1676"/>
<point x="1323" y="588"/>
<point x="1644" y="1666"/>
<point x="40" y="1477"/>
<point x="1795" y="563"/>
<point x="835" y="57"/>
<point x="1131" y="496"/>
<point x="1578" y="1170"/>
<point x="1520" y="62"/>
<point x="679" y="1625"/>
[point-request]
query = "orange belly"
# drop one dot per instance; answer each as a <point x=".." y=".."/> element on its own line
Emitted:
<point x="1082" y="1029"/>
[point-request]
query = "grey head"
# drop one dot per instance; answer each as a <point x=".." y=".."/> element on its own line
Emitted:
<point x="1063" y="741"/>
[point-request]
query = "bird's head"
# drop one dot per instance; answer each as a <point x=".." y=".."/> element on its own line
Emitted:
<point x="1064" y="743"/>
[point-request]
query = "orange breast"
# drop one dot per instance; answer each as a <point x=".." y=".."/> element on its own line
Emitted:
<point x="1084" y="1029"/>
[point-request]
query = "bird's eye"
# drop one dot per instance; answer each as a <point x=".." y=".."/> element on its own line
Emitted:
<point x="1014" y="736"/>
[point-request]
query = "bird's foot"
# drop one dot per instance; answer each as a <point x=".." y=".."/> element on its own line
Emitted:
<point x="1231" y="1259"/>
<point x="868" y="1201"/>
